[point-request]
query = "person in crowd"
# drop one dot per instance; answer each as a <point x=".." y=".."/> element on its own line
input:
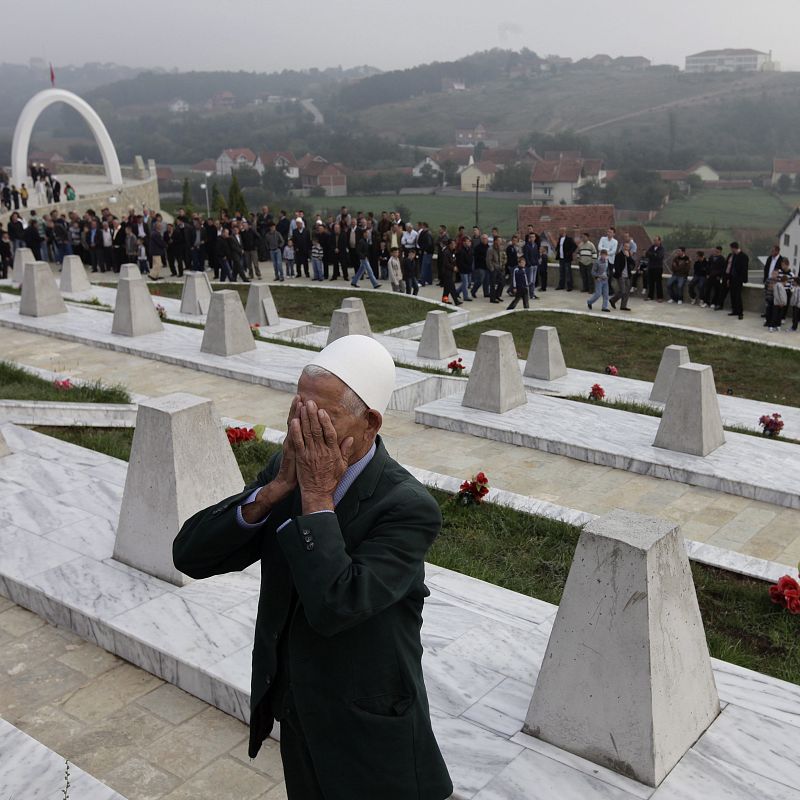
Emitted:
<point x="655" y="270"/>
<point x="441" y="246"/>
<point x="586" y="255"/>
<point x="6" y="257"/>
<point x="341" y="251"/>
<point x="697" y="284"/>
<point x="131" y="246"/>
<point x="237" y="253"/>
<point x="23" y="195"/>
<point x="158" y="252"/>
<point x="530" y="252"/>
<point x="410" y="267"/>
<point x="141" y="260"/>
<point x="425" y="246"/>
<point x="519" y="285"/>
<point x="364" y="267"/>
<point x="384" y="254"/>
<point x="600" y="275"/>
<point x="610" y="243"/>
<point x="250" y="241"/>
<point x="16" y="231"/>
<point x="274" y="244"/>
<point x="496" y="265"/>
<point x="565" y="249"/>
<point x="775" y="298"/>
<point x="395" y="270"/>
<point x="465" y="262"/>
<point x="449" y="273"/>
<point x="69" y="192"/>
<point x="302" y="247"/>
<point x="736" y="276"/>
<point x="624" y="266"/>
<point x="408" y="241"/>
<point x="681" y="264"/>
<point x="714" y="282"/>
<point x="288" y="257"/>
<point x="544" y="261"/>
<point x="480" y="271"/>
<point x="317" y="255"/>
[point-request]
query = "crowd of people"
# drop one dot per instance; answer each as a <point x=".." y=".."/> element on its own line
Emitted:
<point x="386" y="249"/>
<point x="45" y="189"/>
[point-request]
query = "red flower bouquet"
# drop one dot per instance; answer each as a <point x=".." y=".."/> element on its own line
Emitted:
<point x="474" y="490"/>
<point x="161" y="311"/>
<point x="771" y="425"/>
<point x="255" y="329"/>
<point x="611" y="370"/>
<point x="597" y="393"/>
<point x="456" y="367"/>
<point x="239" y="435"/>
<point x="786" y="593"/>
<point x="64" y="385"/>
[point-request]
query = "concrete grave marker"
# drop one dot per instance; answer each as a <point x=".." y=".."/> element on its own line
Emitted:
<point x="129" y="271"/>
<point x="73" y="275"/>
<point x="437" y="339"/>
<point x="358" y="304"/>
<point x="495" y="382"/>
<point x="346" y="321"/>
<point x="545" y="359"/>
<point x="691" y="422"/>
<point x="196" y="295"/>
<point x="260" y="309"/>
<point x="673" y="356"/>
<point x="22" y="256"/>
<point x="180" y="463"/>
<point x="40" y="296"/>
<point x="626" y="680"/>
<point x="134" y="312"/>
<point x="227" y="331"/>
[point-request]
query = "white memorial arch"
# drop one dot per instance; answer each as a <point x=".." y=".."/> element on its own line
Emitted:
<point x="33" y="108"/>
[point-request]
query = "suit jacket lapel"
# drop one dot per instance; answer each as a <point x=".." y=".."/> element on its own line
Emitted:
<point x="363" y="487"/>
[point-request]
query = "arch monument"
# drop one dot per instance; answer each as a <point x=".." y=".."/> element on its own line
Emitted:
<point x="30" y="113"/>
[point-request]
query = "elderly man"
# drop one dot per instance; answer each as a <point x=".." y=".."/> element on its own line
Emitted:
<point x="341" y="530"/>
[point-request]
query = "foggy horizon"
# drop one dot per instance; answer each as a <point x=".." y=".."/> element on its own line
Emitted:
<point x="329" y="38"/>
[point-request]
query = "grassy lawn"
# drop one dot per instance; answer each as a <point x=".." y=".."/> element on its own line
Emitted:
<point x="435" y="209"/>
<point x="532" y="555"/>
<point x="751" y="370"/>
<point x="17" y="384"/>
<point x="311" y="304"/>
<point x="727" y="208"/>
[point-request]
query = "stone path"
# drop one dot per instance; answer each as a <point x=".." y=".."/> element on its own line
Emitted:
<point x="139" y="735"/>
<point x="746" y="526"/>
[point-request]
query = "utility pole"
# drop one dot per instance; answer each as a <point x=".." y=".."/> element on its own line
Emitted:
<point x="477" y="189"/>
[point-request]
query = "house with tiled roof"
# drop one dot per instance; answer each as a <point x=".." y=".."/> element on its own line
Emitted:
<point x="316" y="172"/>
<point x="206" y="165"/>
<point x="234" y="158"/>
<point x="478" y="176"/>
<point x="279" y="159"/>
<point x="785" y="166"/>
<point x="789" y="239"/>
<point x="554" y="182"/>
<point x="458" y="155"/>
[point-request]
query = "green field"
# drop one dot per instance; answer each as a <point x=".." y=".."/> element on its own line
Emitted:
<point x="727" y="208"/>
<point x="434" y="209"/>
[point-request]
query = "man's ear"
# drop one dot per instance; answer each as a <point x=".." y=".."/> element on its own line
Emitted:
<point x="374" y="421"/>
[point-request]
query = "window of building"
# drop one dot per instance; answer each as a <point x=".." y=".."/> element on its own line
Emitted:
<point x="786" y="239"/>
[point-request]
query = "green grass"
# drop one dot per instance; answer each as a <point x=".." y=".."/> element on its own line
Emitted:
<point x="532" y="555"/>
<point x="436" y="209"/>
<point x="727" y="208"/>
<point x="18" y="384"/>
<point x="311" y="304"/>
<point x="748" y="369"/>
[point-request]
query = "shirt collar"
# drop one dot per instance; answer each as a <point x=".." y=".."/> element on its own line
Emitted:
<point x="351" y="473"/>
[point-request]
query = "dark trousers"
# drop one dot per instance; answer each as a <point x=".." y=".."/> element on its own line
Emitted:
<point x="496" y="283"/>
<point x="339" y="263"/>
<point x="520" y="294"/>
<point x="541" y="274"/>
<point x="564" y="273"/>
<point x="298" y="768"/>
<point x="736" y="298"/>
<point x="654" y="284"/>
<point x="586" y="278"/>
<point x="448" y="287"/>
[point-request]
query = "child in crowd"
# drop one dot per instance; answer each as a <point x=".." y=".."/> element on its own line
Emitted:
<point x="600" y="275"/>
<point x="519" y="284"/>
<point x="288" y="258"/>
<point x="395" y="271"/>
<point x="410" y="273"/>
<point x="144" y="267"/>
<point x="316" y="258"/>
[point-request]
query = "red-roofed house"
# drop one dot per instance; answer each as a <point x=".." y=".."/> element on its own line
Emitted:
<point x="458" y="155"/>
<point x="485" y="170"/>
<point x="283" y="160"/>
<point x="784" y="166"/>
<point x="234" y="158"/>
<point x="319" y="173"/>
<point x="554" y="182"/>
<point x="206" y="165"/>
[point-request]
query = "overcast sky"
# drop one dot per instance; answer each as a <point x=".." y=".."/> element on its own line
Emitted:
<point x="265" y="36"/>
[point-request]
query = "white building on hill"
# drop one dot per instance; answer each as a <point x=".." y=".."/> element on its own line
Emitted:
<point x="730" y="60"/>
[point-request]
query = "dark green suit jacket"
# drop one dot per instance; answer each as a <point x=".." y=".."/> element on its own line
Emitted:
<point x="353" y="639"/>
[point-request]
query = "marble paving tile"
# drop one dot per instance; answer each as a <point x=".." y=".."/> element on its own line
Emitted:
<point x="95" y="589"/>
<point x="767" y="747"/>
<point x="454" y="683"/>
<point x="699" y="776"/>
<point x="245" y="612"/>
<point x="111" y="472"/>
<point x="532" y="776"/>
<point x="754" y="691"/>
<point x="24" y="554"/>
<point x="37" y="512"/>
<point x="505" y="649"/>
<point x="31" y="771"/>
<point x="222" y="592"/>
<point x="101" y="498"/>
<point x="92" y="536"/>
<point x="26" y="470"/>
<point x="503" y="709"/>
<point x="200" y="636"/>
<point x="474" y="756"/>
<point x="443" y="622"/>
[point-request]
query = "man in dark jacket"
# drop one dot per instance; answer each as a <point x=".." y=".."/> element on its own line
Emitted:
<point x="565" y="249"/>
<point x="736" y="274"/>
<point x="655" y="270"/>
<point x="341" y="531"/>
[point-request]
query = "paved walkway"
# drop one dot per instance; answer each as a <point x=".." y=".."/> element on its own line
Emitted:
<point x="750" y="527"/>
<point x="143" y="737"/>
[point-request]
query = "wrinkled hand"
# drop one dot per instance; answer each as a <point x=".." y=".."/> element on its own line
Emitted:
<point x="320" y="461"/>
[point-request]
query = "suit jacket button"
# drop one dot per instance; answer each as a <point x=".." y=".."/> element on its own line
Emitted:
<point x="310" y="546"/>
<point x="306" y="532"/>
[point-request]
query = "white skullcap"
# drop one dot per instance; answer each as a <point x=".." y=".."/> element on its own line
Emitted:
<point x="364" y="365"/>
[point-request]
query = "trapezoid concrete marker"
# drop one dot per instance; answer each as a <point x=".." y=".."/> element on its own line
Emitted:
<point x="129" y="271"/>
<point x="134" y="311"/>
<point x="196" y="296"/>
<point x="227" y="331"/>
<point x="40" y="296"/>
<point x="626" y="679"/>
<point x="73" y="275"/>
<point x="495" y="382"/>
<point x="22" y="256"/>
<point x="437" y="340"/>
<point x="180" y="462"/>
<point x="358" y="304"/>
<point x="260" y="309"/>
<point x="545" y="358"/>
<point x="30" y="113"/>
<point x="346" y="321"/>
<point x="673" y="356"/>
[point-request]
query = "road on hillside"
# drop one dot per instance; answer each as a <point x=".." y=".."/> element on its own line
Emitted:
<point x="309" y="106"/>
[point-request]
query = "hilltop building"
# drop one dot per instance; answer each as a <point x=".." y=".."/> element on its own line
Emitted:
<point x="234" y="158"/>
<point x="789" y="239"/>
<point x="556" y="179"/>
<point x="730" y="60"/>
<point x="785" y="166"/>
<point x="485" y="170"/>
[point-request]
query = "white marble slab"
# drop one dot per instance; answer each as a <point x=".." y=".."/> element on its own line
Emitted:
<point x="503" y="708"/>
<point x="455" y="683"/>
<point x="31" y="771"/>
<point x="37" y="412"/>
<point x="24" y="554"/>
<point x="747" y="466"/>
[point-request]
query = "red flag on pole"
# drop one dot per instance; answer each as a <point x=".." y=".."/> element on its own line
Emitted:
<point x="52" y="75"/>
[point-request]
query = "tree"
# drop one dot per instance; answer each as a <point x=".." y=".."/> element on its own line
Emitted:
<point x="784" y="184"/>
<point x="688" y="235"/>
<point x="797" y="182"/>
<point x="515" y="178"/>
<point x="276" y="181"/>
<point x="217" y="199"/>
<point x="236" y="201"/>
<point x="247" y="176"/>
<point x="477" y="151"/>
<point x="186" y="194"/>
